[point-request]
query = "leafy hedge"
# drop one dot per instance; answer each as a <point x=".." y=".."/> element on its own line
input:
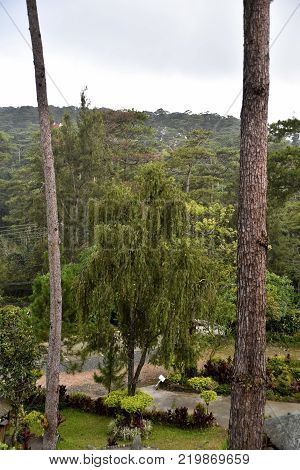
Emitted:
<point x="283" y="378"/>
<point x="130" y="404"/>
<point x="178" y="417"/>
<point x="202" y="383"/>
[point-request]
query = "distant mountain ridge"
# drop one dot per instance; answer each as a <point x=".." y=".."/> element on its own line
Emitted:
<point x="169" y="127"/>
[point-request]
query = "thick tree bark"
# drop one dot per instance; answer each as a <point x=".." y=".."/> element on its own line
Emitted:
<point x="52" y="395"/>
<point x="248" y="389"/>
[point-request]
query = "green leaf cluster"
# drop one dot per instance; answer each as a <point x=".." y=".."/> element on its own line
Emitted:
<point x="202" y="383"/>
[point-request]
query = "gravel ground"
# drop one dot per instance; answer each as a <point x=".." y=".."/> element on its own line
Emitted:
<point x="84" y="381"/>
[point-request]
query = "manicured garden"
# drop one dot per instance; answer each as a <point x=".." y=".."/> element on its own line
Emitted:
<point x="283" y="379"/>
<point x="81" y="429"/>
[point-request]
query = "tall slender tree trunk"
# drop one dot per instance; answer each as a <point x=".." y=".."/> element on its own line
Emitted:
<point x="130" y="366"/>
<point x="52" y="395"/>
<point x="248" y="390"/>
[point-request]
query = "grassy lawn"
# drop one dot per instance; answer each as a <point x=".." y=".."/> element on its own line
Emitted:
<point x="168" y="437"/>
<point x="81" y="430"/>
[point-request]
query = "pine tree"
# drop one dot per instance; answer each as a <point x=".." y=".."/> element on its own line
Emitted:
<point x="112" y="371"/>
<point x="249" y="377"/>
<point x="54" y="347"/>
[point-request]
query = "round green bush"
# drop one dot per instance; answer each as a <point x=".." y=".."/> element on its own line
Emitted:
<point x="202" y="383"/>
<point x="34" y="422"/>
<point x="3" y="446"/>
<point x="138" y="403"/>
<point x="113" y="399"/>
<point x="131" y="404"/>
<point x="175" y="378"/>
<point x="208" y="396"/>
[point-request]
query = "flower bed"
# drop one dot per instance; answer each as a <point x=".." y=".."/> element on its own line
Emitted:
<point x="283" y="378"/>
<point x="178" y="417"/>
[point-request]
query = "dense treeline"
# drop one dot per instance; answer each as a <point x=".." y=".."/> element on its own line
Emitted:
<point x="172" y="178"/>
<point x="169" y="127"/>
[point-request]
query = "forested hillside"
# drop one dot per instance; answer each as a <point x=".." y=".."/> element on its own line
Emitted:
<point x="150" y="260"/>
<point x="169" y="127"/>
<point x="102" y="155"/>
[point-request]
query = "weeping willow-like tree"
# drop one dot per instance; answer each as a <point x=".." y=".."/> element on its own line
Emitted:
<point x="145" y="272"/>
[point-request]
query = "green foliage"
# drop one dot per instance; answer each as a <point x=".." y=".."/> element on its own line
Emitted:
<point x="284" y="210"/>
<point x="20" y="356"/>
<point x="152" y="242"/>
<point x="35" y="423"/>
<point x="283" y="375"/>
<point x="40" y="302"/>
<point x="118" y="430"/>
<point x="288" y="130"/>
<point x="175" y="378"/>
<point x="3" y="446"/>
<point x="202" y="383"/>
<point x="164" y="436"/>
<point x="283" y="173"/>
<point x="283" y="315"/>
<point x="192" y="153"/>
<point x="114" y="398"/>
<point x="131" y="404"/>
<point x="144" y="270"/>
<point x="208" y="396"/>
<point x="112" y="369"/>
<point x="280" y="296"/>
<point x="138" y="403"/>
<point x="223" y="389"/>
<point x="172" y="128"/>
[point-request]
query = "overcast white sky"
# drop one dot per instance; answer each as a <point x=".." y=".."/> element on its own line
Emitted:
<point x="147" y="54"/>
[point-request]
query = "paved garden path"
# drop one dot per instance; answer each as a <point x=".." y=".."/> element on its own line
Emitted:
<point x="164" y="400"/>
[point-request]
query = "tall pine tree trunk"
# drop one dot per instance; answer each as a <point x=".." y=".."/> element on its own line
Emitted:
<point x="248" y="390"/>
<point x="52" y="395"/>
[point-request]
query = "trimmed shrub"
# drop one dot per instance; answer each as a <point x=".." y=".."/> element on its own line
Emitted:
<point x="136" y="404"/>
<point x="202" y="383"/>
<point x="208" y="396"/>
<point x="180" y="418"/>
<point x="114" y="398"/>
<point x="130" y="404"/>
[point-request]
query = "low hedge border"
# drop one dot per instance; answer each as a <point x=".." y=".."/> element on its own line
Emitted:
<point x="178" y="417"/>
